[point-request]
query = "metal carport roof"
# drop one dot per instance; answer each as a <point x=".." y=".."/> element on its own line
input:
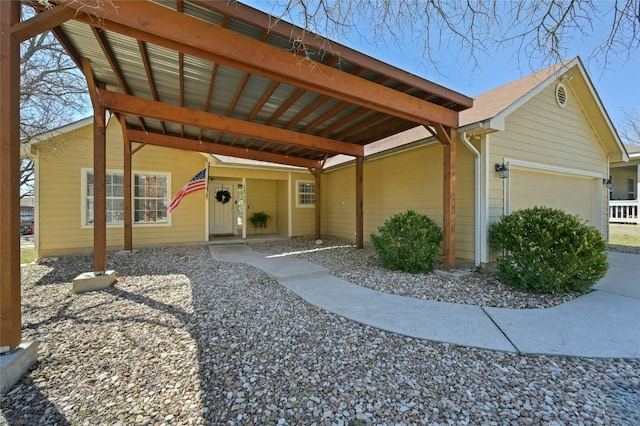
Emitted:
<point x="265" y="89"/>
<point x="217" y="77"/>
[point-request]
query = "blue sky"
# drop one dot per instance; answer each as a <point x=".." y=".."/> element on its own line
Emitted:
<point x="618" y="84"/>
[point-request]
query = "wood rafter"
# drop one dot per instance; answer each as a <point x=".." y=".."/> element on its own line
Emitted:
<point x="212" y="82"/>
<point x="157" y="110"/>
<point x="142" y="47"/>
<point x="375" y="126"/>
<point x="68" y="46"/>
<point x="242" y="85"/>
<point x="113" y="63"/>
<point x="350" y="131"/>
<point x="258" y="106"/>
<point x="212" y="148"/>
<point x="343" y="122"/>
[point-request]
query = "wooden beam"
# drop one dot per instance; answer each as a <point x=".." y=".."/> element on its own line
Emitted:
<point x="157" y="24"/>
<point x="10" y="300"/>
<point x="99" y="192"/>
<point x="359" y="202"/>
<point x="449" y="198"/>
<point x="43" y="21"/>
<point x="161" y="111"/>
<point x="211" y="148"/>
<point x="93" y="90"/>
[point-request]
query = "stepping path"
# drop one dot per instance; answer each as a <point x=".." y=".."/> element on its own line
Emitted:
<point x="603" y="323"/>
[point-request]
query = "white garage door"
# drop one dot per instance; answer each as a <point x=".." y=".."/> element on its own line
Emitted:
<point x="573" y="194"/>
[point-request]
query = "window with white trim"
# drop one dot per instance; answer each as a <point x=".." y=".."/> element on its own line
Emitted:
<point x="150" y="197"/>
<point x="305" y="193"/>
<point x="631" y="189"/>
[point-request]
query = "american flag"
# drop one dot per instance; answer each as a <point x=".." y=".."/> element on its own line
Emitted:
<point x="197" y="183"/>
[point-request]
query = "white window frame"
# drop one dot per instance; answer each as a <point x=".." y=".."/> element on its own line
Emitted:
<point x="83" y="198"/>
<point x="631" y="188"/>
<point x="299" y="193"/>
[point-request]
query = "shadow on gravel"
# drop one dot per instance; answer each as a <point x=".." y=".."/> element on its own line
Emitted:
<point x="182" y="339"/>
<point x="37" y="409"/>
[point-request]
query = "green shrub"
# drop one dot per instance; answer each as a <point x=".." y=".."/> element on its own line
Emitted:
<point x="408" y="242"/>
<point x="548" y="251"/>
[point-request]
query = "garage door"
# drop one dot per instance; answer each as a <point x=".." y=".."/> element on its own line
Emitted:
<point x="573" y="194"/>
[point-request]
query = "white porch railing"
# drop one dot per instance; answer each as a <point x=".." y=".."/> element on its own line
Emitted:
<point x="624" y="211"/>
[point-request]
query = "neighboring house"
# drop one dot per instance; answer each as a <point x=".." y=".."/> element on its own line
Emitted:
<point x="623" y="188"/>
<point x="549" y="130"/>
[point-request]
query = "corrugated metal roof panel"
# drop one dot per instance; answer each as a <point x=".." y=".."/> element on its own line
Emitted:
<point x="235" y="93"/>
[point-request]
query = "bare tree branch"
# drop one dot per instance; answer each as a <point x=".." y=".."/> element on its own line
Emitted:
<point x="52" y="93"/>
<point x="543" y="31"/>
<point x="629" y="126"/>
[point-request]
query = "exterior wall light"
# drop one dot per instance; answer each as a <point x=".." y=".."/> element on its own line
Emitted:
<point x="503" y="171"/>
<point x="607" y="182"/>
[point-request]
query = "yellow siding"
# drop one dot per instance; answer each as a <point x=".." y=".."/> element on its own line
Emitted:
<point x="541" y="132"/>
<point x="304" y="218"/>
<point x="393" y="184"/>
<point x="60" y="194"/>
<point x="261" y="196"/>
<point x="282" y="208"/>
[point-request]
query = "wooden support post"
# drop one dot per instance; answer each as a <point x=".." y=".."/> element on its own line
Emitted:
<point x="449" y="200"/>
<point x="128" y="216"/>
<point x="99" y="193"/>
<point x="10" y="300"/>
<point x="359" y="202"/>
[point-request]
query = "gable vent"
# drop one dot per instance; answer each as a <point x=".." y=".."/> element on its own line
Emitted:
<point x="561" y="95"/>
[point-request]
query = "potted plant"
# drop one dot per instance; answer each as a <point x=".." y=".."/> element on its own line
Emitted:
<point x="259" y="219"/>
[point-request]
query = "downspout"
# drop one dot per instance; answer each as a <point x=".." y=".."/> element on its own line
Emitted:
<point x="477" y="207"/>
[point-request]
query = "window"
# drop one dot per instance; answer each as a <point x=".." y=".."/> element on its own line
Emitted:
<point x="305" y="193"/>
<point x="631" y="189"/>
<point x="150" y="198"/>
<point x="115" y="198"/>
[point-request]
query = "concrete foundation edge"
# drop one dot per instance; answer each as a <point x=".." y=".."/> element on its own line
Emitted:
<point x="14" y="364"/>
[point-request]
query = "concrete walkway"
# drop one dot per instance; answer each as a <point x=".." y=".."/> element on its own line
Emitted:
<point x="603" y="323"/>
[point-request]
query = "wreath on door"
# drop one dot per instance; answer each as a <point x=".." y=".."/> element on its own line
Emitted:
<point x="223" y="196"/>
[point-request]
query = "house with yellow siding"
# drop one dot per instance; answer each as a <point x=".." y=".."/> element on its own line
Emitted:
<point x="64" y="189"/>
<point x="548" y="135"/>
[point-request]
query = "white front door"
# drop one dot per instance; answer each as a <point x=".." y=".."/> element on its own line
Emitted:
<point x="222" y="202"/>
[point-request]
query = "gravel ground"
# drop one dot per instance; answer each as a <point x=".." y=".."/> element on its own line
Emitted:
<point x="182" y="339"/>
